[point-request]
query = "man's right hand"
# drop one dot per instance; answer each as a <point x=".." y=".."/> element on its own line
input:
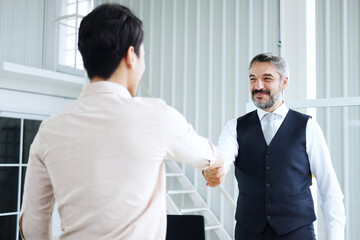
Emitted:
<point x="215" y="174"/>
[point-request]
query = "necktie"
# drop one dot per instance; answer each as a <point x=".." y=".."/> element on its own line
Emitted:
<point x="269" y="130"/>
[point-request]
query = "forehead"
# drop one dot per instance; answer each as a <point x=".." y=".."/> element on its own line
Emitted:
<point x="261" y="68"/>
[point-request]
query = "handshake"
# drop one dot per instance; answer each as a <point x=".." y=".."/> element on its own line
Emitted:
<point x="215" y="174"/>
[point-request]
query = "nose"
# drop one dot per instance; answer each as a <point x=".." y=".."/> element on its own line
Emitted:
<point x="259" y="84"/>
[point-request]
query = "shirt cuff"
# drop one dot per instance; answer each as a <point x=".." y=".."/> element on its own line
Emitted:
<point x="214" y="154"/>
<point x="335" y="233"/>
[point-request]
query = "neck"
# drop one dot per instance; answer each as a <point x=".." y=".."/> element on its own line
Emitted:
<point x="275" y="106"/>
<point x="120" y="76"/>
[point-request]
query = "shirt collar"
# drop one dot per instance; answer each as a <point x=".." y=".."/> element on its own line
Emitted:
<point x="105" y="87"/>
<point x="281" y="111"/>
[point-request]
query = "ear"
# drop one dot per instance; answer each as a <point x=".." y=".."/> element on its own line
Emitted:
<point x="284" y="83"/>
<point x="130" y="57"/>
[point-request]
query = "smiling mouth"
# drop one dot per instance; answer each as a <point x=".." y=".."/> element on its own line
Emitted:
<point x="258" y="94"/>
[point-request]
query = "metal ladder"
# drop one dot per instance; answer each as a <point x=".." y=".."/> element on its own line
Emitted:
<point x="182" y="198"/>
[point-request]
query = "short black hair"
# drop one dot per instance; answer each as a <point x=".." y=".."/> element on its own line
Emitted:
<point x="105" y="35"/>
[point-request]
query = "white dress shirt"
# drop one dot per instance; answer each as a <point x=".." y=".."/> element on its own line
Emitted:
<point x="102" y="160"/>
<point x="320" y="165"/>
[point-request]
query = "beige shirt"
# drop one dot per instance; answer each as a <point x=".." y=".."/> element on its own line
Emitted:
<point x="102" y="160"/>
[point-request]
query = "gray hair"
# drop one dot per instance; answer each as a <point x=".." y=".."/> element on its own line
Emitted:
<point x="279" y="62"/>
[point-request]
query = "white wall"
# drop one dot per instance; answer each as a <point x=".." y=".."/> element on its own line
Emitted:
<point x="293" y="46"/>
<point x="28" y="38"/>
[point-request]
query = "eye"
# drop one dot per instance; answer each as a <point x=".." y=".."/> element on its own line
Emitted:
<point x="268" y="79"/>
<point x="252" y="79"/>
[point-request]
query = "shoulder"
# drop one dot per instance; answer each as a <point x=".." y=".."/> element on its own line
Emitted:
<point x="230" y="126"/>
<point x="313" y="125"/>
<point x="155" y="106"/>
<point x="299" y="115"/>
<point x="167" y="113"/>
<point x="301" y="121"/>
<point x="150" y="102"/>
<point x="231" y="122"/>
<point x="247" y="116"/>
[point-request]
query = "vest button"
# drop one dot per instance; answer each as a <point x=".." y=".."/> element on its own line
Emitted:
<point x="268" y="217"/>
<point x="267" y="185"/>
<point x="267" y="168"/>
<point x="268" y="152"/>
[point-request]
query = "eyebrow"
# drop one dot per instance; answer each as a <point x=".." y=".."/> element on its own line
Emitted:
<point x="265" y="74"/>
<point x="268" y="75"/>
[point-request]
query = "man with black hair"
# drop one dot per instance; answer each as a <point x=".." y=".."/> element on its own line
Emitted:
<point x="102" y="158"/>
<point x="275" y="151"/>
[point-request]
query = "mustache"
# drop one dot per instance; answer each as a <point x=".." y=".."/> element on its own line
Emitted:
<point x="260" y="91"/>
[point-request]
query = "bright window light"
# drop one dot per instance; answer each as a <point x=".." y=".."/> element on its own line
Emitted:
<point x="71" y="14"/>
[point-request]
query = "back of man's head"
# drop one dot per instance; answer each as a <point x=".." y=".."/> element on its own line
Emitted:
<point x="105" y="35"/>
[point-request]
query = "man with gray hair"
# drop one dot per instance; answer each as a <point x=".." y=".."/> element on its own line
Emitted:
<point x="276" y="151"/>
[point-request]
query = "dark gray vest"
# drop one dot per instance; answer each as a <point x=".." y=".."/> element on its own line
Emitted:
<point x="273" y="180"/>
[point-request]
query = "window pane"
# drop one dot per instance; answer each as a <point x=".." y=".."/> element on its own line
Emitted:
<point x="70" y="58"/>
<point x="62" y="44"/>
<point x="23" y="174"/>
<point x="67" y="47"/>
<point x="8" y="189"/>
<point x="70" y="41"/>
<point x="9" y="140"/>
<point x="8" y="227"/>
<point x="79" y="62"/>
<point x="79" y="19"/>
<point x="71" y="22"/>
<point x="70" y="31"/>
<point x="31" y="127"/>
<point x="71" y="8"/>
<point x="84" y="7"/>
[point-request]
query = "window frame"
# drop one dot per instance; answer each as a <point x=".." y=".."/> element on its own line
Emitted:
<point x="73" y="70"/>
<point x="20" y="164"/>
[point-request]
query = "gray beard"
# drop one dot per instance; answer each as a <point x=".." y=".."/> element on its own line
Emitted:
<point x="269" y="103"/>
